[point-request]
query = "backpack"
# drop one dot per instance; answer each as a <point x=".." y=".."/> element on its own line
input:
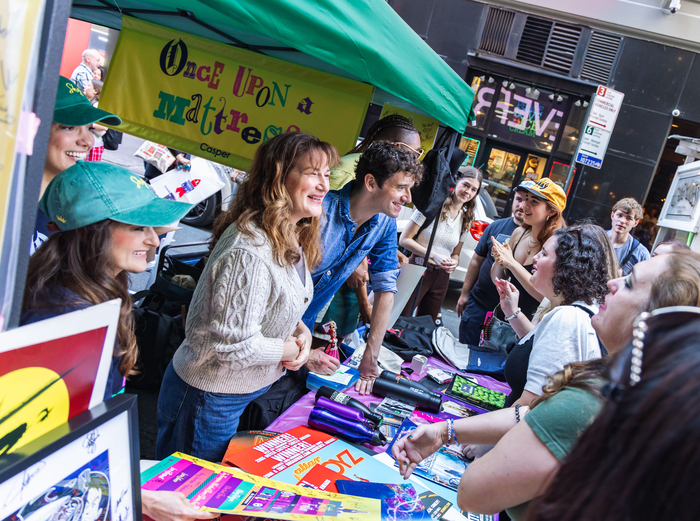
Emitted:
<point x="112" y="139"/>
<point x="438" y="179"/>
<point x="411" y="336"/>
<point x="159" y="322"/>
<point x="265" y="409"/>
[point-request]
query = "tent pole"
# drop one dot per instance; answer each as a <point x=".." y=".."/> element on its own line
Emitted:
<point x="53" y="35"/>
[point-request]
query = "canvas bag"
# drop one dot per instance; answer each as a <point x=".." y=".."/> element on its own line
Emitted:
<point x="497" y="335"/>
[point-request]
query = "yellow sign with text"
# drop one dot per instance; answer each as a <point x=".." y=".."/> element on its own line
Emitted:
<point x="219" y="102"/>
<point x="426" y="125"/>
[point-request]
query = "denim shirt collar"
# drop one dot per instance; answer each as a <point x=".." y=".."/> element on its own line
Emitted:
<point x="344" y="200"/>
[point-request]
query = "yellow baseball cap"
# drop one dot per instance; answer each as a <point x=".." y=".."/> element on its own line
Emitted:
<point x="547" y="189"/>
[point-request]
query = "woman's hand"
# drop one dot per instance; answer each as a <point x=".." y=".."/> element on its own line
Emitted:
<point x="304" y="347"/>
<point x="321" y="363"/>
<point x="449" y="264"/>
<point x="410" y="450"/>
<point x="171" y="506"/>
<point x="473" y="451"/>
<point x="509" y="296"/>
<point x="502" y="253"/>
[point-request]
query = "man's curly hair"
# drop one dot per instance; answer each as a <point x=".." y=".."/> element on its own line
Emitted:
<point x="384" y="160"/>
<point x="585" y="258"/>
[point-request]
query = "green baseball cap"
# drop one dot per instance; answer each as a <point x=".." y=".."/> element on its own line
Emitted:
<point x="90" y="192"/>
<point x="74" y="109"/>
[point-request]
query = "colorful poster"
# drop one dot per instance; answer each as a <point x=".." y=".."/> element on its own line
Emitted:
<point x="219" y="102"/>
<point x="399" y="502"/>
<point x="289" y="456"/>
<point x="53" y="370"/>
<point x="426" y="125"/>
<point x="87" y="479"/>
<point x="216" y="488"/>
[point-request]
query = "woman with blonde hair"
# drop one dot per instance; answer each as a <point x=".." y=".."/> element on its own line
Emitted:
<point x="454" y="222"/>
<point x="244" y="325"/>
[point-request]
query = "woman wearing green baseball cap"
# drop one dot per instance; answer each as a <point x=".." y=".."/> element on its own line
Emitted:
<point x="70" y="141"/>
<point x="104" y="216"/>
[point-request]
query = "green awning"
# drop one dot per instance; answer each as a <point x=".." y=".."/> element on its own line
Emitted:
<point x="359" y="39"/>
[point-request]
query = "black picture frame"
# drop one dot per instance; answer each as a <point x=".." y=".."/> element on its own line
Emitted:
<point x="23" y="467"/>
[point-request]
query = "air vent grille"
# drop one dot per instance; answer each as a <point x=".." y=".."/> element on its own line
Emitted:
<point x="600" y="57"/>
<point x="496" y="30"/>
<point x="533" y="42"/>
<point x="561" y="48"/>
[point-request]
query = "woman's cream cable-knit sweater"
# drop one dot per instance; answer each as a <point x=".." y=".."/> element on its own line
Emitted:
<point x="243" y="309"/>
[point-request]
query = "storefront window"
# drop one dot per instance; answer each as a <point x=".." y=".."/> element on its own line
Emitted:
<point x="574" y="124"/>
<point x="471" y="147"/>
<point x="483" y="97"/>
<point x="532" y="123"/>
<point x="534" y="167"/>
<point x="559" y="172"/>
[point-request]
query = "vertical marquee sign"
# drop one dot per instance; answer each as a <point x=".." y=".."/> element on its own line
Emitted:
<point x="219" y="102"/>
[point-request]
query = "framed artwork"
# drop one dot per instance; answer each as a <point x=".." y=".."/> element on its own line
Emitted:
<point x="53" y="370"/>
<point x="85" y="470"/>
<point x="681" y="209"/>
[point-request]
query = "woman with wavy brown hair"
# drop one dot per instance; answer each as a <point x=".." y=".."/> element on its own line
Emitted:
<point x="531" y="442"/>
<point x="103" y="216"/>
<point x="244" y="325"/>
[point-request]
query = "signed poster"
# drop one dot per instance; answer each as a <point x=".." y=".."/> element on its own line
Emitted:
<point x="53" y="370"/>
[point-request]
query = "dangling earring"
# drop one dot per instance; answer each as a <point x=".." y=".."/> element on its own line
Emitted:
<point x="640" y="329"/>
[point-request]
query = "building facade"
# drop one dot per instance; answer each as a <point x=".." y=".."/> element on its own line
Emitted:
<point x="535" y="65"/>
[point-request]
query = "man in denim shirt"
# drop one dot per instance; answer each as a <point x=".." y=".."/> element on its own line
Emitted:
<point x="361" y="222"/>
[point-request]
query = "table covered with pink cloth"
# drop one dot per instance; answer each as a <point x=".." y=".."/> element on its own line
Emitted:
<point x="298" y="414"/>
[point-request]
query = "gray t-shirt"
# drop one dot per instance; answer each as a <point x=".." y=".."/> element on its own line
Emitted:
<point x="639" y="253"/>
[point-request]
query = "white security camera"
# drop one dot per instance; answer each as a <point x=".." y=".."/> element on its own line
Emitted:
<point x="673" y="7"/>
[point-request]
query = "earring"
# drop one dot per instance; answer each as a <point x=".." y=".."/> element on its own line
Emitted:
<point x="639" y="333"/>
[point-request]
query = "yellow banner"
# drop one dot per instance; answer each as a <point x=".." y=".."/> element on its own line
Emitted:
<point x="19" y="32"/>
<point x="426" y="125"/>
<point x="219" y="102"/>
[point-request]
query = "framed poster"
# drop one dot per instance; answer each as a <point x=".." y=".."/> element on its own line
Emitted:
<point x="53" y="370"/>
<point x="84" y="470"/>
<point x="681" y="209"/>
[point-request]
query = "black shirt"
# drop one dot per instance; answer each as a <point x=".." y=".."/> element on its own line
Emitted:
<point x="484" y="291"/>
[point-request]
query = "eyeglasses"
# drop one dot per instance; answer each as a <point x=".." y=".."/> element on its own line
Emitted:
<point x="626" y="370"/>
<point x="418" y="152"/>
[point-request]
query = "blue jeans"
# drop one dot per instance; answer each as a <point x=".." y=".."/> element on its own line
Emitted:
<point x="470" y="324"/>
<point x="196" y="422"/>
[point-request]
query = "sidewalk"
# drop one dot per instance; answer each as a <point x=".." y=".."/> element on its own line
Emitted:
<point x="124" y="156"/>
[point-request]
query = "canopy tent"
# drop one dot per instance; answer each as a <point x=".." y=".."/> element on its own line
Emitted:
<point x="363" y="40"/>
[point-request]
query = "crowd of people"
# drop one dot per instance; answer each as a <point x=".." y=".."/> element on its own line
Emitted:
<point x="597" y="356"/>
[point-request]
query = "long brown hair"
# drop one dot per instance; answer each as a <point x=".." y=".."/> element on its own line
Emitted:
<point x="467" y="209"/>
<point x="263" y="199"/>
<point x="639" y="458"/>
<point x="78" y="260"/>
<point x="553" y="223"/>
<point x="678" y="285"/>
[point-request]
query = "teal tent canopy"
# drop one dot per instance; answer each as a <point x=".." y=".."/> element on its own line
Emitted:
<point x="363" y="40"/>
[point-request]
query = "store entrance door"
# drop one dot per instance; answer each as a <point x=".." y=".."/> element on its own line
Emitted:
<point x="506" y="167"/>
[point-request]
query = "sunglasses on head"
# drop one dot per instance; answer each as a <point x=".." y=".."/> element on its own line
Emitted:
<point x="626" y="370"/>
<point x="418" y="152"/>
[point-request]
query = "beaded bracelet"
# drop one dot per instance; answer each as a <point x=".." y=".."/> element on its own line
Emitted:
<point x="517" y="312"/>
<point x="517" y="413"/>
<point x="449" y="432"/>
